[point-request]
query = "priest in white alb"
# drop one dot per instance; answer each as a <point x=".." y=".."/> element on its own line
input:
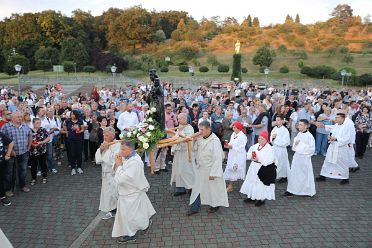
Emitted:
<point x="105" y="156"/>
<point x="209" y="187"/>
<point x="280" y="139"/>
<point x="353" y="165"/>
<point x="236" y="159"/>
<point x="336" y="162"/>
<point x="259" y="184"/>
<point x="134" y="208"/>
<point x="183" y="169"/>
<point x="301" y="176"/>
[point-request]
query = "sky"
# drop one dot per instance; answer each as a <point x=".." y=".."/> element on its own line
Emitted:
<point x="268" y="11"/>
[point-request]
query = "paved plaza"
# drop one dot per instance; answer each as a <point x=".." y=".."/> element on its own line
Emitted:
<point x="63" y="213"/>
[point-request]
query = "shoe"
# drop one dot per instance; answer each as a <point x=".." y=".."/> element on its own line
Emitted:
<point x="108" y="215"/>
<point x="157" y="172"/>
<point x="5" y="201"/>
<point x="190" y="212"/>
<point x="45" y="180"/>
<point x="344" y="181"/>
<point x="259" y="203"/>
<point x="249" y="200"/>
<point x="287" y="194"/>
<point x="164" y="170"/>
<point x="320" y="179"/>
<point x="54" y="171"/>
<point x="38" y="174"/>
<point x="9" y="194"/>
<point x="127" y="239"/>
<point x="212" y="210"/>
<point x="73" y="172"/>
<point x="25" y="189"/>
<point x="144" y="232"/>
<point x="80" y="171"/>
<point x="179" y="193"/>
<point x="33" y="182"/>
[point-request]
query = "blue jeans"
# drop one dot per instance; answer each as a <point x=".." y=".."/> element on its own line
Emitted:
<point x="196" y="205"/>
<point x="321" y="143"/>
<point x="21" y="163"/>
<point x="50" y="155"/>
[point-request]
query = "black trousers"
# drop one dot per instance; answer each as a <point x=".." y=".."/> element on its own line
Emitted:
<point x="41" y="161"/>
<point x="86" y="149"/>
<point x="2" y="178"/>
<point x="76" y="152"/>
<point x="92" y="150"/>
<point x="361" y="141"/>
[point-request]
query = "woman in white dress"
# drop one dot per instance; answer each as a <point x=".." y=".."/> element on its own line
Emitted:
<point x="259" y="184"/>
<point x="236" y="159"/>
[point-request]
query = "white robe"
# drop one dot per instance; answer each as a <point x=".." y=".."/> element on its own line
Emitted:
<point x="236" y="159"/>
<point x="351" y="157"/>
<point x="280" y="144"/>
<point x="253" y="186"/>
<point x="134" y="208"/>
<point x="183" y="171"/>
<point x="209" y="157"/>
<point x="108" y="200"/>
<point x="336" y="162"/>
<point x="301" y="176"/>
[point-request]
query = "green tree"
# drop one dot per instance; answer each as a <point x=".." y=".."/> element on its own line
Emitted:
<point x="297" y="20"/>
<point x="179" y="33"/>
<point x="264" y="56"/>
<point x="47" y="53"/>
<point x="212" y="60"/>
<point x="17" y="59"/>
<point x="73" y="50"/>
<point x="159" y="36"/>
<point x="288" y="19"/>
<point x="348" y="58"/>
<point x="89" y="69"/>
<point x="342" y="12"/>
<point x="43" y="64"/>
<point x="344" y="50"/>
<point x="68" y="66"/>
<point x="256" y="22"/>
<point x="301" y="64"/>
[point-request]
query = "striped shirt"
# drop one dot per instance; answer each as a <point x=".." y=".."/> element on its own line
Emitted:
<point x="19" y="135"/>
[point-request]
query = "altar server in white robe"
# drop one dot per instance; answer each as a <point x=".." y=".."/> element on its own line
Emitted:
<point x="209" y="187"/>
<point x="105" y="156"/>
<point x="262" y="155"/>
<point x="301" y="175"/>
<point x="134" y="208"/>
<point x="336" y="162"/>
<point x="280" y="139"/>
<point x="236" y="160"/>
<point x="353" y="165"/>
<point x="183" y="170"/>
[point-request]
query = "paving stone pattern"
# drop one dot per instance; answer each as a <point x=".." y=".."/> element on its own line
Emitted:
<point x="54" y="215"/>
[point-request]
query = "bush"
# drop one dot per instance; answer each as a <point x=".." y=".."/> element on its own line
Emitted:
<point x="223" y="68"/>
<point x="164" y="69"/>
<point x="188" y="53"/>
<point x="17" y="59"/>
<point x="319" y="71"/>
<point x="365" y="79"/>
<point x="244" y="70"/>
<point x="307" y="70"/>
<point x="344" y="50"/>
<point x="203" y="69"/>
<point x="348" y="58"/>
<point x="282" y="48"/>
<point x="284" y="69"/>
<point x="183" y="68"/>
<point x="300" y="54"/>
<point x="262" y="69"/>
<point x="300" y="63"/>
<point x="68" y="66"/>
<point x="89" y="69"/>
<point x="43" y="64"/>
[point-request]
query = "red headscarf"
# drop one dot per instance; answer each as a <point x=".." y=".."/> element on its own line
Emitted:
<point x="238" y="125"/>
<point x="264" y="134"/>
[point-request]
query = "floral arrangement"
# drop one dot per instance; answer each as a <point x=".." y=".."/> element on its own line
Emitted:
<point x="147" y="133"/>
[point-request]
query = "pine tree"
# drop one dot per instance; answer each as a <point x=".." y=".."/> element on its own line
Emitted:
<point x="256" y="22"/>
<point x="249" y="21"/>
<point x="297" y="18"/>
<point x="288" y="19"/>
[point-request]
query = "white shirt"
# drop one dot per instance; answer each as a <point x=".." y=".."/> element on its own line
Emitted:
<point x="127" y="119"/>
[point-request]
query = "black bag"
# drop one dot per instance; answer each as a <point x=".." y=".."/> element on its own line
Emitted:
<point x="267" y="174"/>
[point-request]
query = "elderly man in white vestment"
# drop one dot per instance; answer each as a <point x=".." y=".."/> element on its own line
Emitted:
<point x="209" y="187"/>
<point x="183" y="170"/>
<point x="336" y="163"/>
<point x="280" y="139"/>
<point x="353" y="165"/>
<point x="301" y="175"/>
<point x="134" y="208"/>
<point x="105" y="156"/>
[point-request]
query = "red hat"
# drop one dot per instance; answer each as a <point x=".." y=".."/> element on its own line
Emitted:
<point x="238" y="125"/>
<point x="264" y="134"/>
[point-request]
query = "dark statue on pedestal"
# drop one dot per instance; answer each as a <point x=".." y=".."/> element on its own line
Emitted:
<point x="156" y="97"/>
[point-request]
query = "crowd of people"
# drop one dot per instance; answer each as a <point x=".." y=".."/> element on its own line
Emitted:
<point x="226" y="127"/>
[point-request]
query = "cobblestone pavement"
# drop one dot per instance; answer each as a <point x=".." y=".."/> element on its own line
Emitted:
<point x="55" y="214"/>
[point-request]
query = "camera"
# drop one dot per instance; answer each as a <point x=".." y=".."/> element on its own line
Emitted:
<point x="153" y="75"/>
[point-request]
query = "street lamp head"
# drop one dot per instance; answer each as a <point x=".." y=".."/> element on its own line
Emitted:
<point x="266" y="71"/>
<point x="343" y="73"/>
<point x="18" y="67"/>
<point x="113" y="69"/>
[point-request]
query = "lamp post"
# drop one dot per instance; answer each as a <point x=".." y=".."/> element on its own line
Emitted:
<point x="266" y="71"/>
<point x="113" y="70"/>
<point x="75" y="68"/>
<point x="343" y="73"/>
<point x="18" y="69"/>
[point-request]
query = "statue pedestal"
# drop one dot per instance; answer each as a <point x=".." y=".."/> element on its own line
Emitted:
<point x="237" y="67"/>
